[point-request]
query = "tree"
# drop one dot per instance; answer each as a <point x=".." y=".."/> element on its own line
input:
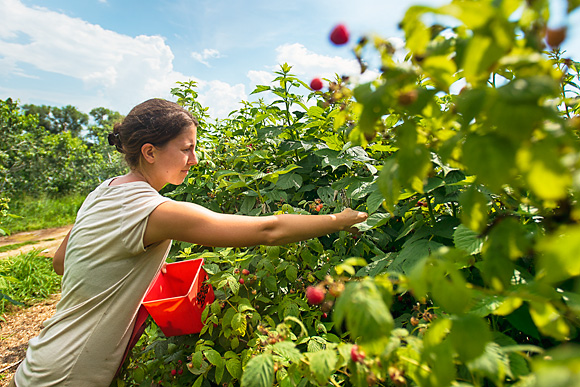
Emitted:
<point x="57" y="120"/>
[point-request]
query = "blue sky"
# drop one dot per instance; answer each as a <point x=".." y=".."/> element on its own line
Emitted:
<point x="117" y="53"/>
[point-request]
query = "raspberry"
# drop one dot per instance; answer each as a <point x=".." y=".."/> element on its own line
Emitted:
<point x="245" y="272"/>
<point x="316" y="84"/>
<point x="319" y="207"/>
<point x="242" y="281"/>
<point x="173" y="372"/>
<point x="356" y="355"/>
<point x="339" y="35"/>
<point x="315" y="295"/>
<point x="555" y="36"/>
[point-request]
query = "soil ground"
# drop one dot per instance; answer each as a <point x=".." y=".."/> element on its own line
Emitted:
<point x="22" y="324"/>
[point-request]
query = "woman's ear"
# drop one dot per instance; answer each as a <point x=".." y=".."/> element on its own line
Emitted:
<point x="148" y="152"/>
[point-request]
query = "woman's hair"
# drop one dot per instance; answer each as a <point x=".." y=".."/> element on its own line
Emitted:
<point x="155" y="121"/>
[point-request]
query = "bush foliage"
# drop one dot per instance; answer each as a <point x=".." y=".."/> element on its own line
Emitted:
<point x="465" y="155"/>
<point x="466" y="272"/>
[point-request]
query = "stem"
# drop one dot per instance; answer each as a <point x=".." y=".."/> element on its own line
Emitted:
<point x="415" y="363"/>
<point x="430" y="207"/>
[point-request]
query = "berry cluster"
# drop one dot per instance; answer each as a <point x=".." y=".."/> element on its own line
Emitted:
<point x="202" y="293"/>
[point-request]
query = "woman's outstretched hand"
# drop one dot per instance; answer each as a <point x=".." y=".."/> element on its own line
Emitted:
<point x="351" y="217"/>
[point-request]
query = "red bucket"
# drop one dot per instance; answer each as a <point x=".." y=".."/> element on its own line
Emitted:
<point x="176" y="299"/>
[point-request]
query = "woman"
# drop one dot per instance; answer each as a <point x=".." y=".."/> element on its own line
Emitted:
<point x="121" y="238"/>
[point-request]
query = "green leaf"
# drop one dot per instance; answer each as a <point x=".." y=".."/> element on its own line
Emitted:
<point x="492" y="363"/>
<point x="219" y="372"/>
<point x="491" y="158"/>
<point x="234" y="367"/>
<point x="449" y="288"/>
<point x="466" y="239"/>
<point x="508" y="240"/>
<point x="197" y="359"/>
<point x="375" y="220"/>
<point x="364" y="310"/>
<point x="558" y="258"/>
<point x="291" y="273"/>
<point x="469" y="336"/>
<point x="239" y="324"/>
<point x="326" y="194"/>
<point x="474" y="209"/>
<point x="322" y="364"/>
<point x="260" y="88"/>
<point x="213" y="357"/>
<point x="545" y="174"/>
<point x="259" y="372"/>
<point x="414" y="159"/>
<point x="412" y="253"/>
<point x="289" y="180"/>
<point x="388" y="183"/>
<point x="481" y="54"/>
<point x="270" y="283"/>
<point x="374" y="200"/>
<point x="549" y="321"/>
<point x="287" y="350"/>
<point x="441" y="70"/>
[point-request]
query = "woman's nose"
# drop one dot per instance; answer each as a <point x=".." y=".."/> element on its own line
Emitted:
<point x="193" y="158"/>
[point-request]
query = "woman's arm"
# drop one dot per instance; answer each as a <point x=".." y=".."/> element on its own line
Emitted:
<point x="58" y="260"/>
<point x="192" y="223"/>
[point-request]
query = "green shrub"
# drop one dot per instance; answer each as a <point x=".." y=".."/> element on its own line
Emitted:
<point x="26" y="278"/>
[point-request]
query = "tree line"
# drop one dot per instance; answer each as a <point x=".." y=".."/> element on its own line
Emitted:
<point x="54" y="150"/>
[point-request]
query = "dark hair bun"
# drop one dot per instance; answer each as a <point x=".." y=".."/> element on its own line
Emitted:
<point x="115" y="141"/>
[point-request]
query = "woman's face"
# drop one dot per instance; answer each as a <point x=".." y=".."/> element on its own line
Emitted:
<point x="174" y="160"/>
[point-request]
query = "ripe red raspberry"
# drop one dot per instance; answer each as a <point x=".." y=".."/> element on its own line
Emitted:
<point x="173" y="372"/>
<point x="245" y="272"/>
<point x="242" y="281"/>
<point x="316" y="84"/>
<point x="555" y="36"/>
<point x="339" y="35"/>
<point x="356" y="355"/>
<point x="315" y="294"/>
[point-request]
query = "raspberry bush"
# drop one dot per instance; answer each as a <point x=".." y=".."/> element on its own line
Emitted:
<point x="466" y="272"/>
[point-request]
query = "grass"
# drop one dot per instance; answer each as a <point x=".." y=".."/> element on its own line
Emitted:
<point x="26" y="279"/>
<point x="40" y="213"/>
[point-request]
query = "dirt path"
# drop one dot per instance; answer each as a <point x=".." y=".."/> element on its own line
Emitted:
<point x="46" y="240"/>
<point x="23" y="324"/>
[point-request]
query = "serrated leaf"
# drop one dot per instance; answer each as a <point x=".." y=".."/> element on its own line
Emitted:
<point x="213" y="357"/>
<point x="259" y="371"/>
<point x="291" y="273"/>
<point x="466" y="239"/>
<point x="239" y="324"/>
<point x="271" y="284"/>
<point x="219" y="372"/>
<point x="364" y="310"/>
<point x="234" y="367"/>
<point x="197" y="359"/>
<point x="287" y="350"/>
<point x="322" y="365"/>
<point x="469" y="336"/>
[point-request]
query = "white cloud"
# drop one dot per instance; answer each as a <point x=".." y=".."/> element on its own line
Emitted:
<point x="207" y="53"/>
<point x="121" y="70"/>
<point x="307" y="64"/>
<point x="260" y="77"/>
<point x="221" y="97"/>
